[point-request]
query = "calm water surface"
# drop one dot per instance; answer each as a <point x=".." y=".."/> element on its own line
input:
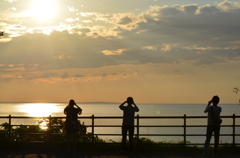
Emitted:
<point x="112" y="109"/>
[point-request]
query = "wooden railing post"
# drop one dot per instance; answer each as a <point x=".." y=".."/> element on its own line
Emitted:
<point x="138" y="127"/>
<point x="184" y="129"/>
<point x="9" y="128"/>
<point x="234" y="124"/>
<point x="137" y="131"/>
<point x="50" y="128"/>
<point x="92" y="128"/>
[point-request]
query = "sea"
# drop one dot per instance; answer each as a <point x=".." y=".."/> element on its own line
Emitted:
<point x="112" y="109"/>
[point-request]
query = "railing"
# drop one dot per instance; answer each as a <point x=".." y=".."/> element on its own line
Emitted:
<point x="138" y="127"/>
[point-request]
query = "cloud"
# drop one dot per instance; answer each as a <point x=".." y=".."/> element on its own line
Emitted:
<point x="48" y="75"/>
<point x="79" y="76"/>
<point x="228" y="5"/>
<point x="65" y="75"/>
<point x="190" y="9"/>
<point x="114" y="52"/>
<point x="194" y="34"/>
<point x="125" y="20"/>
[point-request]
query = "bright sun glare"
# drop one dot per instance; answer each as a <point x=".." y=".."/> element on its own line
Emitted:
<point x="43" y="9"/>
<point x="39" y="109"/>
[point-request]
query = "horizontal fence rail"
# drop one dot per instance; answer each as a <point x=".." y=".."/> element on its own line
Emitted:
<point x="138" y="127"/>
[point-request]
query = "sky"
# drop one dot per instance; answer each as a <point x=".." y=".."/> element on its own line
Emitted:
<point x="156" y="51"/>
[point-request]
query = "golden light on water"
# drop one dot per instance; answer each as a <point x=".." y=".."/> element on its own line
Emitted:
<point x="39" y="109"/>
<point x="43" y="123"/>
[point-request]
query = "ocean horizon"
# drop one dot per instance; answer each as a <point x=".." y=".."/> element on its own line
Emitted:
<point x="112" y="109"/>
<point x="56" y="108"/>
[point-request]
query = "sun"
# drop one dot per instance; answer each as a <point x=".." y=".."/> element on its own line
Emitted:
<point x="43" y="9"/>
<point x="39" y="109"/>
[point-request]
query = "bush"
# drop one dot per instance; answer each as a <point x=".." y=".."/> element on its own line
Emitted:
<point x="14" y="138"/>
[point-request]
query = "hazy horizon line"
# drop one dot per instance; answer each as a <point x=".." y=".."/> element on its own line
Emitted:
<point x="99" y="102"/>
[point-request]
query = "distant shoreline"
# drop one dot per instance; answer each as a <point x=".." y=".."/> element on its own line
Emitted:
<point x="121" y="102"/>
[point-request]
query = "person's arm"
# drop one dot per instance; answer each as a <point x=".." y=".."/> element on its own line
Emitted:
<point x="209" y="103"/>
<point x="137" y="109"/>
<point x="65" y="111"/>
<point x="120" y="106"/>
<point x="79" y="109"/>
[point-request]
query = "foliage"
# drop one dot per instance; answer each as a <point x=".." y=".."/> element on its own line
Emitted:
<point x="54" y="132"/>
<point x="4" y="133"/>
<point x="12" y="137"/>
<point x="27" y="133"/>
<point x="236" y="89"/>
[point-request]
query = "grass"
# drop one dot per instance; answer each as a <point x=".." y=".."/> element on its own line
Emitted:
<point x="142" y="145"/>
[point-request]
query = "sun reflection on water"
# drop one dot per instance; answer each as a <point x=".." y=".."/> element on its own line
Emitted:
<point x="39" y="109"/>
<point x="43" y="123"/>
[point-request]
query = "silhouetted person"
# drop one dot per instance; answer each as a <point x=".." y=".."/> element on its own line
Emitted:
<point x="212" y="110"/>
<point x="71" y="117"/>
<point x="128" y="122"/>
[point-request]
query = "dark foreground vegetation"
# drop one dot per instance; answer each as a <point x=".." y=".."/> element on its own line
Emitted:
<point x="35" y="137"/>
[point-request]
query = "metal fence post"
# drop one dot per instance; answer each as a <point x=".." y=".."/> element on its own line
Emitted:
<point x="138" y="131"/>
<point x="184" y="129"/>
<point x="92" y="128"/>
<point x="138" y="127"/>
<point x="234" y="124"/>
<point x="9" y="128"/>
<point x="50" y="128"/>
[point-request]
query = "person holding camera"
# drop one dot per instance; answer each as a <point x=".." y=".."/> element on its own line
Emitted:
<point x="72" y="125"/>
<point x="128" y="122"/>
<point x="213" y="125"/>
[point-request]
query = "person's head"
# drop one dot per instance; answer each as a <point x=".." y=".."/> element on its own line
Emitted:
<point x="215" y="100"/>
<point x="130" y="100"/>
<point x="71" y="103"/>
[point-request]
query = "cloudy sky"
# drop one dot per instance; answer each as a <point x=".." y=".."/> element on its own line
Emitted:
<point x="156" y="51"/>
